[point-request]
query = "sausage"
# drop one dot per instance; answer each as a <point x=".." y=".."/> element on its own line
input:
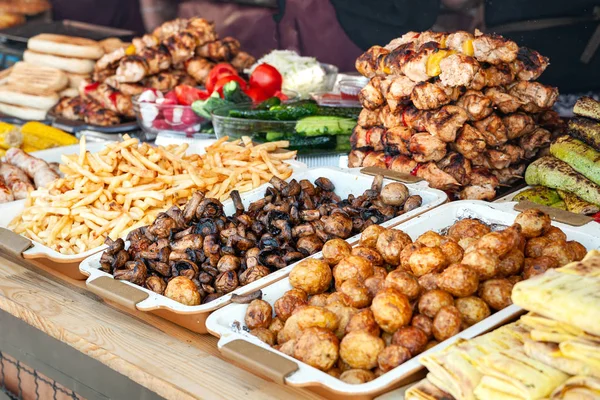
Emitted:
<point x="15" y="180"/>
<point x="5" y="193"/>
<point x="38" y="169"/>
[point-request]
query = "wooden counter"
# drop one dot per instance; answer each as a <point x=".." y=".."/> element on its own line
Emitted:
<point x="161" y="358"/>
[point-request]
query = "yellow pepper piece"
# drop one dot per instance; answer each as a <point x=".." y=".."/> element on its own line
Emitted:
<point x="40" y="136"/>
<point x="433" y="62"/>
<point x="130" y="50"/>
<point x="468" y="48"/>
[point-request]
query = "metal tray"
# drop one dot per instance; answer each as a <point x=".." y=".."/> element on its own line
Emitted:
<point x="194" y="317"/>
<point x="75" y="126"/>
<point x="236" y="343"/>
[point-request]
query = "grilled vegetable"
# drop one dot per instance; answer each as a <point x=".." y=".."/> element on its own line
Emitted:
<point x="539" y="195"/>
<point x="581" y="157"/>
<point x="585" y="130"/>
<point x="587" y="107"/>
<point x="554" y="173"/>
<point x="577" y="205"/>
<point x="9" y="136"/>
<point x="318" y="125"/>
<point x="40" y="136"/>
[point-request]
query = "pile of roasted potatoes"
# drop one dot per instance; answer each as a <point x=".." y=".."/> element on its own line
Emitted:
<point x="361" y="311"/>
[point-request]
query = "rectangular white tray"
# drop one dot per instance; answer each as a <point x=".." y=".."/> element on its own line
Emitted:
<point x="225" y="322"/>
<point x="345" y="182"/>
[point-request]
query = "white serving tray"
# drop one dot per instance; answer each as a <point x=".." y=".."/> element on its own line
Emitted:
<point x="53" y="258"/>
<point x="345" y="183"/>
<point x="225" y="322"/>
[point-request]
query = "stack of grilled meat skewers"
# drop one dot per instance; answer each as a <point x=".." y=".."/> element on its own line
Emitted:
<point x="462" y="111"/>
<point x="181" y="51"/>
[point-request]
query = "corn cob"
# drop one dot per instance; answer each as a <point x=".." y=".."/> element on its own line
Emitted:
<point x="40" y="136"/>
<point x="9" y="136"/>
<point x="29" y="149"/>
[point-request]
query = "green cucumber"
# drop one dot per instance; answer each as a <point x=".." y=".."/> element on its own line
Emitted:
<point x="318" y="125"/>
<point x="581" y="157"/>
<point x="273" y="136"/>
<point x="554" y="173"/>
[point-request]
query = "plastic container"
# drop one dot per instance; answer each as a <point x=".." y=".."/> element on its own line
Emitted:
<point x="194" y="317"/>
<point x="238" y="344"/>
<point x="177" y="119"/>
<point x="331" y="73"/>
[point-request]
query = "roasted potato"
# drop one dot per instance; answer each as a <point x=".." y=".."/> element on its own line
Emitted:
<point x="344" y="315"/>
<point x="468" y="228"/>
<point x="380" y="272"/>
<point x="411" y="338"/>
<point x="374" y="284"/>
<point x="368" y="254"/>
<point x="391" y="309"/>
<point x="311" y="316"/>
<point x="318" y="347"/>
<point x="259" y="314"/>
<point x="363" y="321"/>
<point x="560" y="250"/>
<point x="311" y="275"/>
<point x="577" y="249"/>
<point x="369" y="236"/>
<point x="392" y="356"/>
<point x="183" y="290"/>
<point x="335" y="372"/>
<point x="485" y="263"/>
<point x="452" y="250"/>
<point x="335" y="250"/>
<point x="467" y="244"/>
<point x="512" y="263"/>
<point x="390" y="244"/>
<point x="500" y="242"/>
<point x="404" y="282"/>
<point x="265" y="335"/>
<point x="357" y="376"/>
<point x="319" y="300"/>
<point x="424" y="323"/>
<point x="496" y="293"/>
<point x="554" y="233"/>
<point x="338" y="297"/>
<point x="426" y="260"/>
<point x="459" y="280"/>
<point x="447" y="323"/>
<point x="535" y="246"/>
<point x="357" y="292"/>
<point x="285" y="305"/>
<point x="431" y="343"/>
<point x="533" y="222"/>
<point x="287" y="347"/>
<point x="276" y="325"/>
<point x="538" y="265"/>
<point x="394" y="194"/>
<point x="290" y="330"/>
<point x="407" y="252"/>
<point x="429" y="281"/>
<point x="432" y="301"/>
<point x="352" y="267"/>
<point x="472" y="309"/>
<point x="360" y="349"/>
<point x="430" y="239"/>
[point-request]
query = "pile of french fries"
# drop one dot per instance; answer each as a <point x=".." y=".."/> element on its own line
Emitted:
<point x="125" y="186"/>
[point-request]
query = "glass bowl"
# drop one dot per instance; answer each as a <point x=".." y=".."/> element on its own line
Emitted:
<point x="262" y="131"/>
<point x="331" y="73"/>
<point x="176" y="119"/>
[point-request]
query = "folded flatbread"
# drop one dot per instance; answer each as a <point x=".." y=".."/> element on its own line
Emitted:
<point x="545" y="329"/>
<point x="512" y="374"/>
<point x="578" y="388"/>
<point x="570" y="299"/>
<point x="589" y="266"/>
<point x="425" y="390"/>
<point x="551" y="354"/>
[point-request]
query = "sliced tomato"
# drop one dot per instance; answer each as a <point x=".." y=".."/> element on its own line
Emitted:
<point x="256" y="94"/>
<point x="217" y="72"/>
<point x="281" y="96"/>
<point x="91" y="87"/>
<point x="226" y="79"/>
<point x="267" y="78"/>
<point x="186" y="94"/>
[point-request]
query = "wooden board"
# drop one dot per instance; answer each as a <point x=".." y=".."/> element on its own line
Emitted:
<point x="171" y="361"/>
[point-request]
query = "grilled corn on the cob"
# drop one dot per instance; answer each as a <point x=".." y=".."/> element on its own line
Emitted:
<point x="40" y="136"/>
<point x="9" y="136"/>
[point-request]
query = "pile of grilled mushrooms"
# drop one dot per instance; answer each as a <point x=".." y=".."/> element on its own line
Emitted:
<point x="196" y="254"/>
